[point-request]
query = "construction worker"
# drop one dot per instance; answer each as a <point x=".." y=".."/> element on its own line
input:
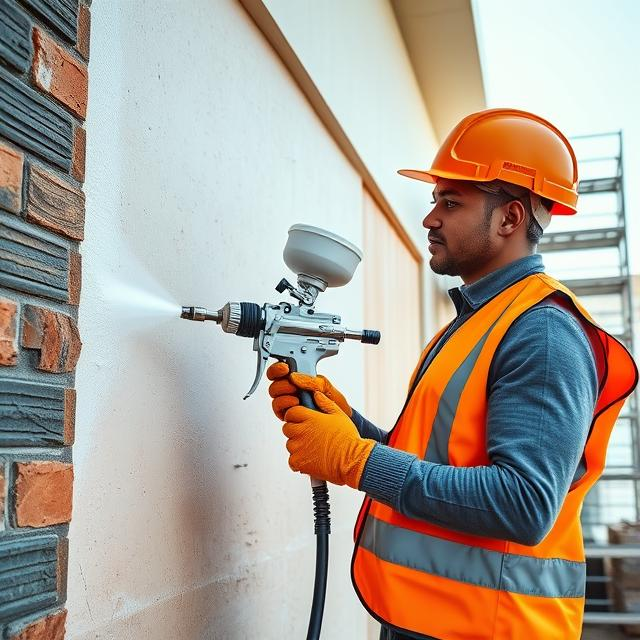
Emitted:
<point x="470" y="528"/>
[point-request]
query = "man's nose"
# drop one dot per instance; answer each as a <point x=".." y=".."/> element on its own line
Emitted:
<point x="431" y="221"/>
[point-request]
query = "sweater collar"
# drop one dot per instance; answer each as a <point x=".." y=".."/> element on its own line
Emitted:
<point x="476" y="294"/>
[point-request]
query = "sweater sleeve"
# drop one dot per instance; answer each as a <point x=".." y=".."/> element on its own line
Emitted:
<point x="367" y="429"/>
<point x="541" y="395"/>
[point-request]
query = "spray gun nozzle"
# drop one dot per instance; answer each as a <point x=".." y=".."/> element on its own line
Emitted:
<point x="200" y="314"/>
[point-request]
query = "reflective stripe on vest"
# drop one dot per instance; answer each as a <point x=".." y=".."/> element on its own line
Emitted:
<point x="425" y="579"/>
<point x="438" y="449"/>
<point x="548" y="577"/>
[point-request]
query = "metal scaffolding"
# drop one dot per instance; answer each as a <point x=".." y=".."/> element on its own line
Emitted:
<point x="589" y="254"/>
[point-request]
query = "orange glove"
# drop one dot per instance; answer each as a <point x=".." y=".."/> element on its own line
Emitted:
<point x="285" y="388"/>
<point x="325" y="444"/>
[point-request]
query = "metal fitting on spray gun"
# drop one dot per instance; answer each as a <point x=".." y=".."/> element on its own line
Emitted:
<point x="241" y="318"/>
<point x="300" y="336"/>
<point x="200" y="314"/>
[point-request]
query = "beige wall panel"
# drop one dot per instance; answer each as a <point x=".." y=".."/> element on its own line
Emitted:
<point x="392" y="296"/>
<point x="393" y="306"/>
<point x="357" y="58"/>
<point x="442" y="44"/>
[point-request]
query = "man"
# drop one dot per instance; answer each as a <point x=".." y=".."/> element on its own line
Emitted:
<point x="470" y="528"/>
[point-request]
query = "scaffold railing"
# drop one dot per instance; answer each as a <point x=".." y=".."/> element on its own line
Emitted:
<point x="589" y="253"/>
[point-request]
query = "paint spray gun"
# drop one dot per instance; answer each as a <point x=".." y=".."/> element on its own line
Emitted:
<point x="301" y="336"/>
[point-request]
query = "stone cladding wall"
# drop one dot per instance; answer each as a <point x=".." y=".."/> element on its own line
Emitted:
<point x="44" y="51"/>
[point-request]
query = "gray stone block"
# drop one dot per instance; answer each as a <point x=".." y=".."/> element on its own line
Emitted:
<point x="28" y="570"/>
<point x="16" y="47"/>
<point x="32" y="261"/>
<point x="61" y="15"/>
<point x="34" y="123"/>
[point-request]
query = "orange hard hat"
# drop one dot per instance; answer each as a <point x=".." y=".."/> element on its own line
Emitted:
<point x="513" y="146"/>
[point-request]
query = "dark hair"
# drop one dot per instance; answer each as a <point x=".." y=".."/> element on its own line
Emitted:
<point x="534" y="230"/>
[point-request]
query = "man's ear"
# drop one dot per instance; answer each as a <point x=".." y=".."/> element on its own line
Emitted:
<point x="513" y="216"/>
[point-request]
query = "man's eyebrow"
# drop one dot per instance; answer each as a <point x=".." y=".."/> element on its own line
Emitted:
<point x="446" y="192"/>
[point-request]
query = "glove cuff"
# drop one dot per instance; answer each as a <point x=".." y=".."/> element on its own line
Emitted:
<point x="358" y="459"/>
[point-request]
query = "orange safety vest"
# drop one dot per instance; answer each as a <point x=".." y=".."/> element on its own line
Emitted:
<point x="429" y="580"/>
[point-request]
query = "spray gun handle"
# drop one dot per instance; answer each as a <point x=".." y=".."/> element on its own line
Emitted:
<point x="305" y="397"/>
<point x="306" y="400"/>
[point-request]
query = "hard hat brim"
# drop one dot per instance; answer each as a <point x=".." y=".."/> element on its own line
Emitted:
<point x="432" y="177"/>
<point x="417" y="175"/>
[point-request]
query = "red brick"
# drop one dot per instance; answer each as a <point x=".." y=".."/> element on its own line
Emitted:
<point x="75" y="277"/>
<point x="11" y="165"/>
<point x="59" y="74"/>
<point x="49" y="628"/>
<point x="69" y="416"/>
<point x="8" y="350"/>
<point x="43" y="493"/>
<point x="55" y="335"/>
<point x="84" y="31"/>
<point x="55" y="204"/>
<point x="79" y="155"/>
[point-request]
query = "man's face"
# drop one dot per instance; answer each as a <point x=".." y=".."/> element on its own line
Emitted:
<point x="460" y="239"/>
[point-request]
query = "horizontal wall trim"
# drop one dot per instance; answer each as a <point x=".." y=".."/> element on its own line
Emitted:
<point x="272" y="32"/>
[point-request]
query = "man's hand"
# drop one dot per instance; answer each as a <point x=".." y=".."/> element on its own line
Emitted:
<point x="285" y="386"/>
<point x="325" y="444"/>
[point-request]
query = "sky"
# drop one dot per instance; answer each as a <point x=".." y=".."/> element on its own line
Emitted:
<point x="575" y="63"/>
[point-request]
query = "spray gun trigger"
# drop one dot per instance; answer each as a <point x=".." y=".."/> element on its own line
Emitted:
<point x="263" y="357"/>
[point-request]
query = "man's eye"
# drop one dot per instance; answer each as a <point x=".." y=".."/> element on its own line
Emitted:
<point x="449" y="204"/>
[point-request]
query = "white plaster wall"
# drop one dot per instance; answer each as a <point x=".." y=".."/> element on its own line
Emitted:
<point x="201" y="153"/>
<point x="354" y="51"/>
<point x="357" y="58"/>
